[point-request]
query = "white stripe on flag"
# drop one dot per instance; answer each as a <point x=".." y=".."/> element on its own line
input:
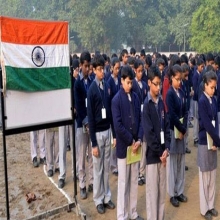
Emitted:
<point x="17" y="55"/>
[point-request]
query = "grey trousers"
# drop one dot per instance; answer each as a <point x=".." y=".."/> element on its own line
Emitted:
<point x="40" y="137"/>
<point x="65" y="138"/>
<point x="196" y="121"/>
<point x="52" y="149"/>
<point x="84" y="144"/>
<point x="143" y="159"/>
<point x="127" y="190"/>
<point x="101" y="167"/>
<point x="175" y="174"/>
<point x="207" y="185"/>
<point x="155" y="193"/>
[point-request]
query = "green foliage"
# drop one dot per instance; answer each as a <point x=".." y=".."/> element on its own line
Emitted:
<point x="105" y="24"/>
<point x="205" y="27"/>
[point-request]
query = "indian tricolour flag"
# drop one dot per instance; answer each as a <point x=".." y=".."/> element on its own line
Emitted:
<point x="35" y="53"/>
<point x="35" y="67"/>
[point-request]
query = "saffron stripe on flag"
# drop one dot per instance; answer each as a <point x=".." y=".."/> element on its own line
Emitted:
<point x="27" y="56"/>
<point x="33" y="32"/>
<point x="37" y="79"/>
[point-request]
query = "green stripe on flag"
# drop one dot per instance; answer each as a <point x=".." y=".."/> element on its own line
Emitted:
<point x="37" y="79"/>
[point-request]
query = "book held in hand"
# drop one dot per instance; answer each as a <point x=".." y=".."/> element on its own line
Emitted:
<point x="176" y="131"/>
<point x="133" y="158"/>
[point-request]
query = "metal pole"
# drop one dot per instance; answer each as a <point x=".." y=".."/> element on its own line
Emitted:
<point x="4" y="151"/>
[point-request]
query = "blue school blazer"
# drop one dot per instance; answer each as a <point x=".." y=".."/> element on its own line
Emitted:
<point x="208" y="112"/>
<point x="122" y="121"/>
<point x="177" y="108"/>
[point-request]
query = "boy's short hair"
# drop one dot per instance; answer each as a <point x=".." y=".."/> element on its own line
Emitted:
<point x="217" y="61"/>
<point x="160" y="61"/>
<point x="185" y="67"/>
<point x="126" y="72"/>
<point x="98" y="60"/>
<point x="154" y="72"/>
<point x="85" y="56"/>
<point x="132" y="51"/>
<point x="138" y="63"/>
<point x="131" y="60"/>
<point x="148" y="60"/>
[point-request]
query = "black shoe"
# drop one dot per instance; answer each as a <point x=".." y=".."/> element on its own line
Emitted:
<point x="57" y="170"/>
<point x="115" y="173"/>
<point x="213" y="212"/>
<point x="90" y="188"/>
<point x="188" y="151"/>
<point x="50" y="173"/>
<point x="83" y="194"/>
<point x="140" y="181"/>
<point x="143" y="179"/>
<point x="181" y="198"/>
<point x="174" y="201"/>
<point x="109" y="205"/>
<point x="186" y="168"/>
<point x="100" y="208"/>
<point x="68" y="148"/>
<point x="35" y="163"/>
<point x="61" y="183"/>
<point x="196" y="141"/>
<point x="207" y="216"/>
<point x="43" y="161"/>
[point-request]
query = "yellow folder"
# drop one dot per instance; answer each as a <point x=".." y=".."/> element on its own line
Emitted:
<point x="133" y="158"/>
<point x="176" y="131"/>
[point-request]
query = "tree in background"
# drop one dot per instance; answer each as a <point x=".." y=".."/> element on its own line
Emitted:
<point x="205" y="27"/>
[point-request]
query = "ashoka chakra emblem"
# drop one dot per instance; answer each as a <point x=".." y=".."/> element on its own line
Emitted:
<point x="38" y="56"/>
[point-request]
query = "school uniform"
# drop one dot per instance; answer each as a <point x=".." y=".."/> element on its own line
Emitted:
<point x="218" y="100"/>
<point x="40" y="137"/>
<point x="114" y="85"/>
<point x="207" y="159"/>
<point x="52" y="149"/>
<point x="195" y="81"/>
<point x="65" y="138"/>
<point x="81" y="88"/>
<point x="99" y="119"/>
<point x="126" y="114"/>
<point x="155" y="120"/>
<point x="141" y="88"/>
<point x="190" y="77"/>
<point x="145" y="76"/>
<point x="186" y="89"/>
<point x="177" y="109"/>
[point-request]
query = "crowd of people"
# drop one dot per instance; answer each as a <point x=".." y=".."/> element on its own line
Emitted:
<point x="139" y="101"/>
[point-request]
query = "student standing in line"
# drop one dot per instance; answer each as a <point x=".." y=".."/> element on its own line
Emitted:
<point x="185" y="86"/>
<point x="114" y="83"/>
<point x="207" y="159"/>
<point x="127" y="123"/>
<point x="178" y="115"/>
<point x="140" y="88"/>
<point x="195" y="81"/>
<point x="40" y="137"/>
<point x="100" y="120"/>
<point x="81" y="88"/>
<point x="157" y="132"/>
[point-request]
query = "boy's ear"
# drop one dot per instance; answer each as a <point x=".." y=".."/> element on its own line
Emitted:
<point x="149" y="82"/>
